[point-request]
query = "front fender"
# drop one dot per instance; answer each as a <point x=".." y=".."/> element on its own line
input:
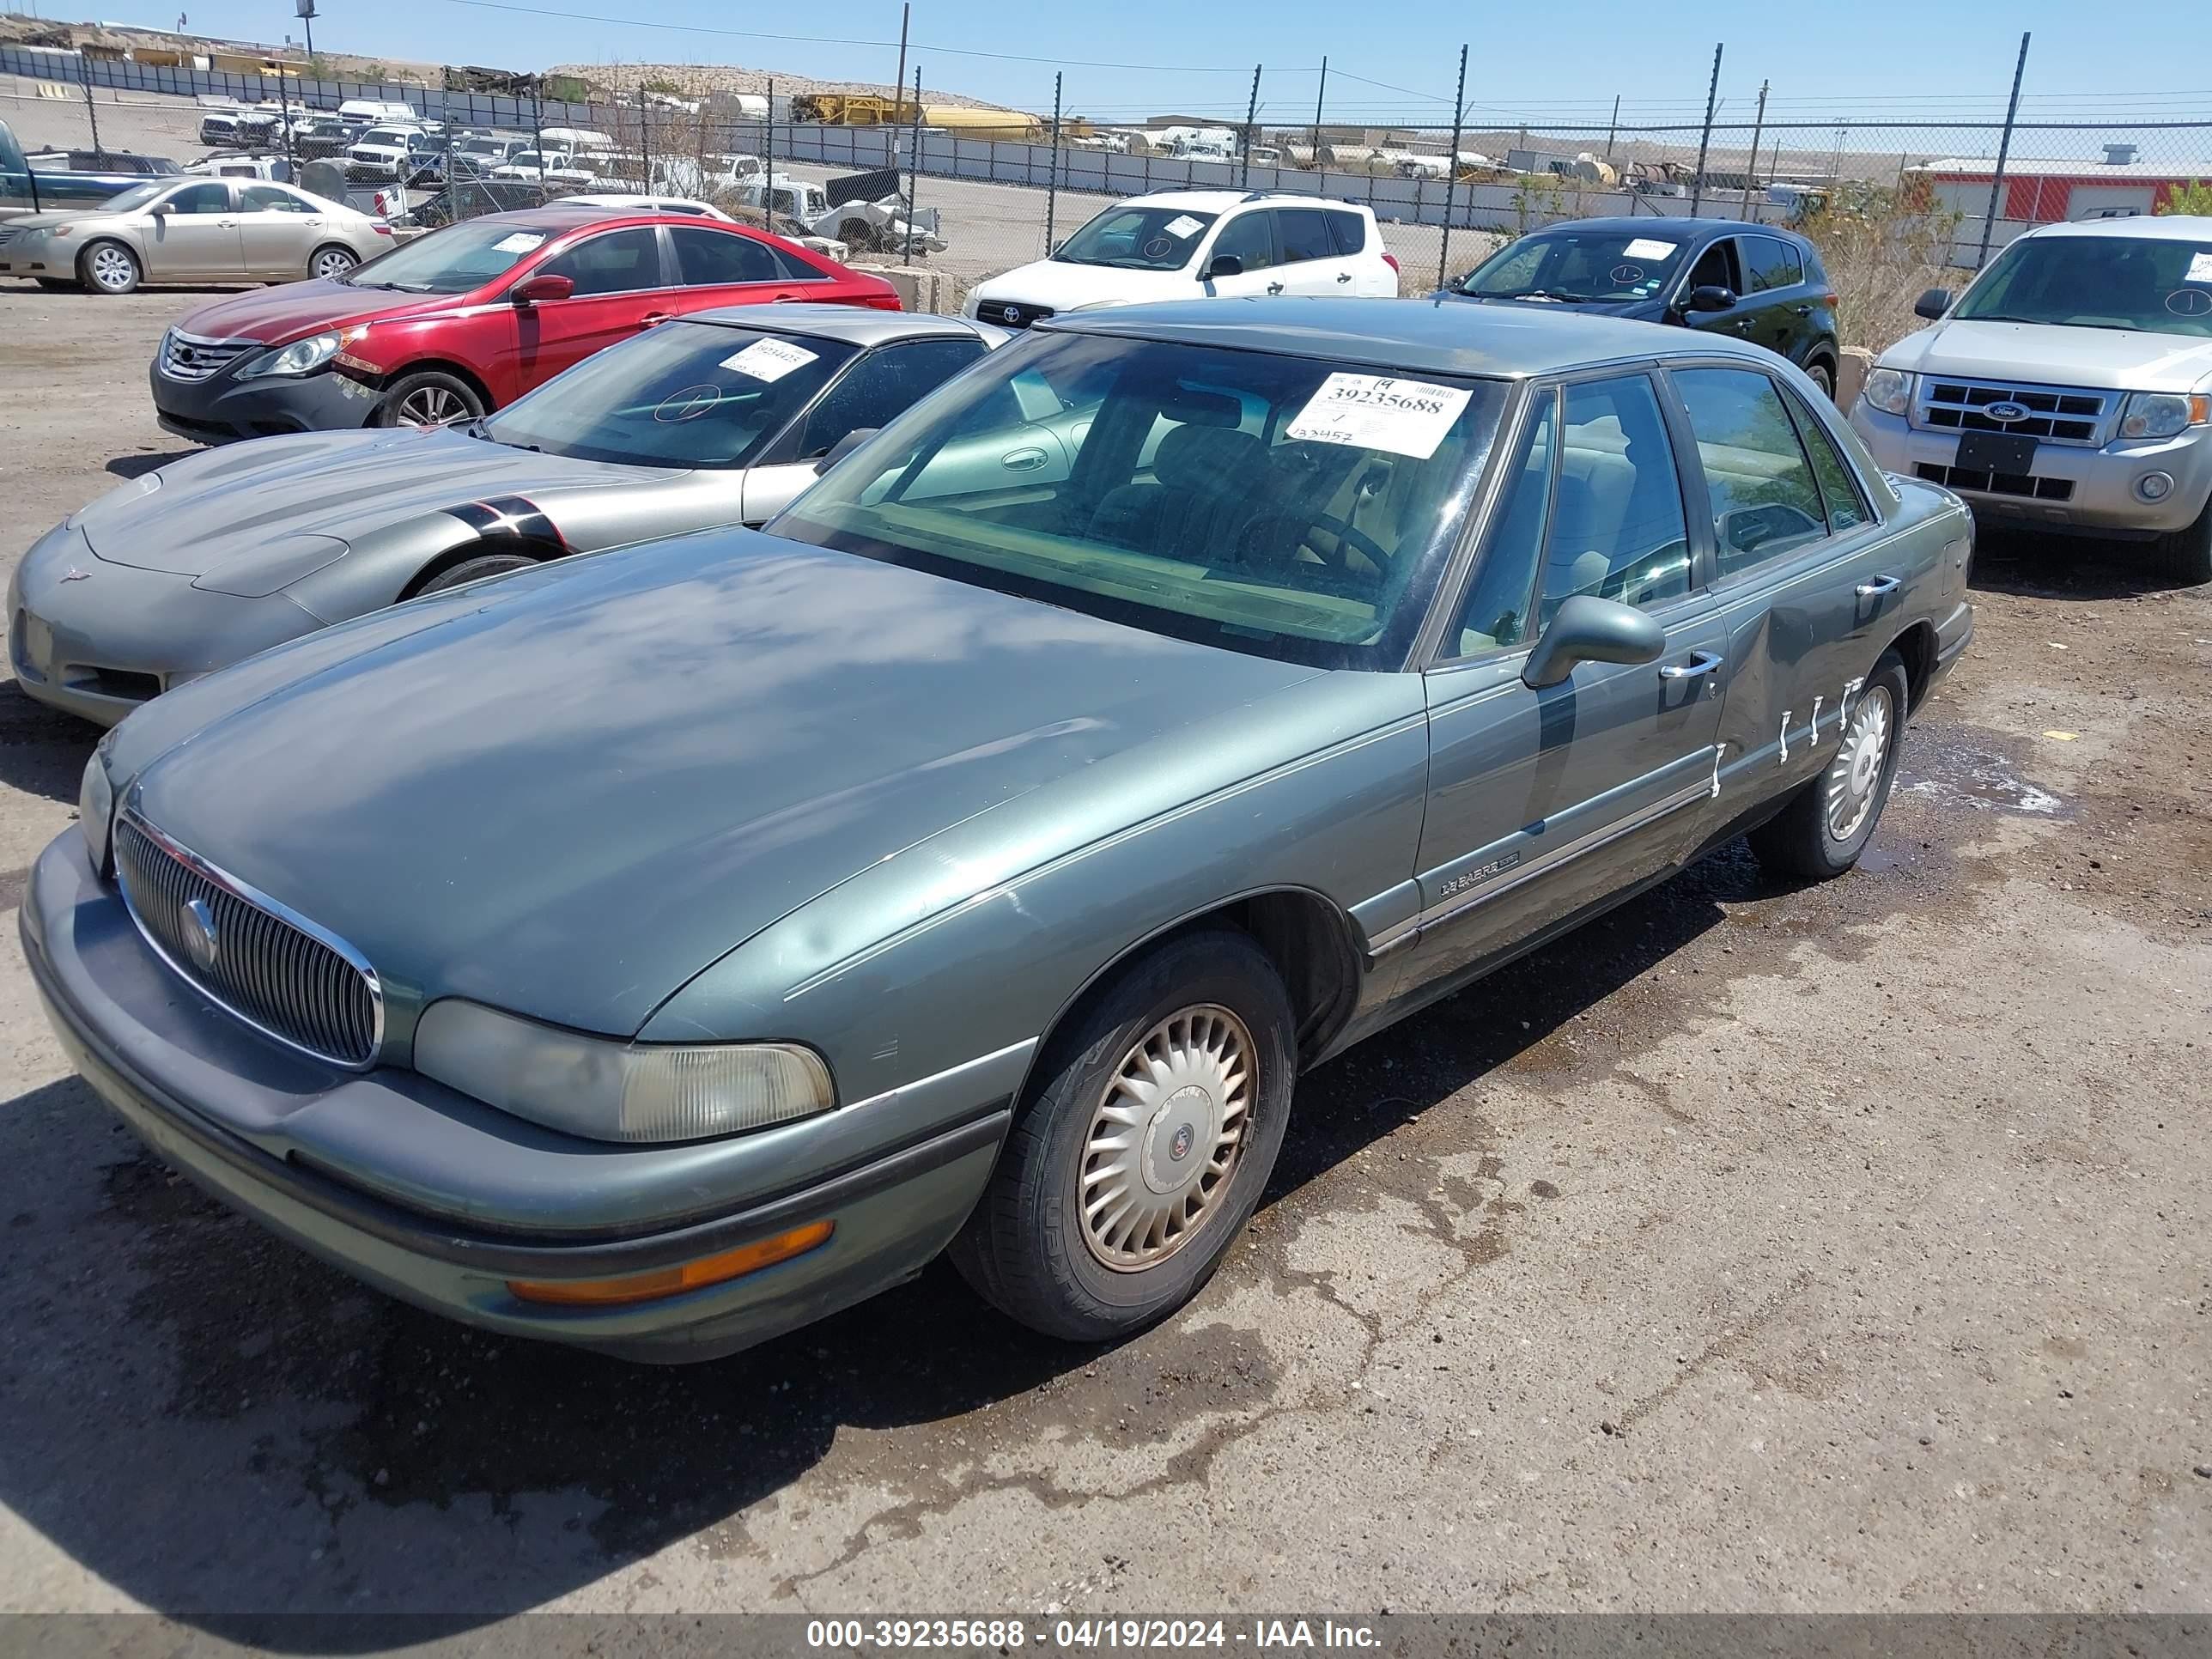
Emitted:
<point x="980" y="937"/>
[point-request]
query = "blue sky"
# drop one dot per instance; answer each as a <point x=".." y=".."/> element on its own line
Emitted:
<point x="1897" y="60"/>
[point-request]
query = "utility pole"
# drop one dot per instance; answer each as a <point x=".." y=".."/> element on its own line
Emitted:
<point x="1751" y="167"/>
<point x="1451" y="168"/>
<point x="2004" y="150"/>
<point x="1705" y="142"/>
<point x="1251" y="115"/>
<point x="899" y="85"/>
<point x="1320" y="92"/>
<point x="1051" y="185"/>
<point x="1613" y="130"/>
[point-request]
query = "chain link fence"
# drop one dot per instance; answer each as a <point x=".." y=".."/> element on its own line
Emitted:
<point x="972" y="192"/>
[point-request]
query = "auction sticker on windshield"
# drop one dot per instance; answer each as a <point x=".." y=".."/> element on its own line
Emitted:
<point x="1181" y="225"/>
<point x="769" y="360"/>
<point x="1648" y="247"/>
<point x="1377" y="411"/>
<point x="2200" y="268"/>
<point x="521" y="242"/>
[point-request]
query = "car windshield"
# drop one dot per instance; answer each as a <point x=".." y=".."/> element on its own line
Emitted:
<point x="683" y="394"/>
<point x="454" y="260"/>
<point x="2152" y="284"/>
<point x="1283" y="506"/>
<point x="1620" y="265"/>
<point x="1136" y="239"/>
<point x="131" y="200"/>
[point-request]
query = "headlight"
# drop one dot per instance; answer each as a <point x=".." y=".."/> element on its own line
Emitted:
<point x="2161" y="414"/>
<point x="300" y="357"/>
<point x="1888" y="390"/>
<point x="95" y="809"/>
<point x="605" y="1089"/>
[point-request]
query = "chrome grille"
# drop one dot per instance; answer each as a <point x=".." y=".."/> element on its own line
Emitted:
<point x="191" y="357"/>
<point x="275" y="970"/>
<point x="1011" y="313"/>
<point x="2055" y="414"/>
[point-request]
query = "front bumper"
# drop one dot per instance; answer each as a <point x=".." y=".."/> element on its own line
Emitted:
<point x="97" y="640"/>
<point x="34" y="253"/>
<point x="440" y="1202"/>
<point x="222" y="407"/>
<point x="2099" y="485"/>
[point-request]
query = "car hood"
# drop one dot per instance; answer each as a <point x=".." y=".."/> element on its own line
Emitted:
<point x="1064" y="287"/>
<point x="222" y="504"/>
<point x="276" y="316"/>
<point x="567" y="792"/>
<point x="20" y="222"/>
<point x="2048" y="355"/>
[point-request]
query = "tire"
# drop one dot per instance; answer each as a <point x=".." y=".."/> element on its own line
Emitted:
<point x="470" y="570"/>
<point x="1828" y="823"/>
<point x="108" y="267"/>
<point x="428" y="397"/>
<point x="2186" y="555"/>
<point x="331" y="260"/>
<point x="1029" y="1249"/>
<point x="1822" y="374"/>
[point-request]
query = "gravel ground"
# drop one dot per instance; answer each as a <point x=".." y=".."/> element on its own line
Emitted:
<point x="1759" y="1248"/>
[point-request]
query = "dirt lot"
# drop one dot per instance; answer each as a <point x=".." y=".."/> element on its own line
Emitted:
<point x="1837" y="1248"/>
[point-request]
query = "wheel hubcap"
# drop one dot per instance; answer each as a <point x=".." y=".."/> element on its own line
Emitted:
<point x="333" y="265"/>
<point x="1856" y="772"/>
<point x="111" y="267"/>
<point x="1165" y="1136"/>
<point x="430" y="405"/>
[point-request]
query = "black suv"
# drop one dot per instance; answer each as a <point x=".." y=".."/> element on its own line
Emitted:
<point x="1758" y="283"/>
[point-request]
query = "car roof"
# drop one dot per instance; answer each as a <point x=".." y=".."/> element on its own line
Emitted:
<point x="1407" y="337"/>
<point x="2164" y="227"/>
<point x="1220" y="201"/>
<point x="1686" y="228"/>
<point x="851" y="323"/>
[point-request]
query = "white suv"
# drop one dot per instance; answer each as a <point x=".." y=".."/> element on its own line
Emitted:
<point x="1182" y="243"/>
<point x="2068" y="389"/>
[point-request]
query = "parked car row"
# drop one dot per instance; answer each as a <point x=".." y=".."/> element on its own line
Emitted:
<point x="657" y="950"/>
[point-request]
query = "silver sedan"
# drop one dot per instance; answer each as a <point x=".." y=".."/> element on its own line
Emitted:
<point x="720" y="418"/>
<point x="191" y="230"/>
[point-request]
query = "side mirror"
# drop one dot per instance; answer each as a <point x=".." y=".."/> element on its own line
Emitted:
<point x="159" y="209"/>
<point x="844" y="446"/>
<point x="1223" y="265"/>
<point x="536" y="290"/>
<point x="1711" y="296"/>
<point x="1589" y="630"/>
<point x="1933" y="304"/>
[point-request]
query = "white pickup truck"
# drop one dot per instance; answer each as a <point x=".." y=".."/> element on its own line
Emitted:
<point x="2067" y="389"/>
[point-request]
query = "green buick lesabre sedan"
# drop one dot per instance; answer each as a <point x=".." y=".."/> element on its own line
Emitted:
<point x="658" y="950"/>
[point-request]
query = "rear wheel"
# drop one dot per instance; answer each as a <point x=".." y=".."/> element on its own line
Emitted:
<point x="475" y="569"/>
<point x="2187" y="554"/>
<point x="1828" y="823"/>
<point x="428" y="397"/>
<point x="109" y="268"/>
<point x="1823" y="375"/>
<point x="331" y="260"/>
<point x="1144" y="1145"/>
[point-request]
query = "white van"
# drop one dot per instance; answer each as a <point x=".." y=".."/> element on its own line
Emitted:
<point x="373" y="113"/>
<point x="577" y="141"/>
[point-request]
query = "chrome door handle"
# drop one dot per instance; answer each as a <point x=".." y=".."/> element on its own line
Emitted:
<point x="1701" y="662"/>
<point x="1877" y="587"/>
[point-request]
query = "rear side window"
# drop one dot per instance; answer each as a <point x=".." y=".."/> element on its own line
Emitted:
<point x="796" y="269"/>
<point x="1765" y="501"/>
<point x="1349" y="232"/>
<point x="1770" y="263"/>
<point x="261" y="198"/>
<point x="1839" y="492"/>
<point x="1304" y="234"/>
<point x="709" y="259"/>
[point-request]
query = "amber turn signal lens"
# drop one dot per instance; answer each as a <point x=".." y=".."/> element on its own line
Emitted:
<point x="673" y="1281"/>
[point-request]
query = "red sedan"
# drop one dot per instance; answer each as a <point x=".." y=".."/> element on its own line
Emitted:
<point x="469" y="318"/>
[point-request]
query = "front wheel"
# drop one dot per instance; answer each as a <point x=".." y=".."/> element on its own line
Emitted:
<point x="429" y="397"/>
<point x="2187" y="554"/>
<point x="331" y="260"/>
<point x="1828" y="823"/>
<point x="110" y="268"/>
<point x="1144" y="1145"/>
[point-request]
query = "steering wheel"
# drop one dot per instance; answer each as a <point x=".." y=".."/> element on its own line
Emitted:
<point x="1305" y="524"/>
